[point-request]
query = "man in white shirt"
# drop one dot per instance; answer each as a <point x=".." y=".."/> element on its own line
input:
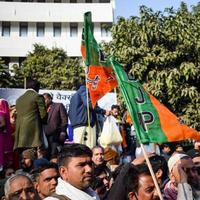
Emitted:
<point x="75" y="167"/>
<point x="183" y="175"/>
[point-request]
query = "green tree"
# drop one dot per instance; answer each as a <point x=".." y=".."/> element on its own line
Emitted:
<point x="4" y="75"/>
<point x="51" y="67"/>
<point x="162" y="50"/>
<point x="18" y="78"/>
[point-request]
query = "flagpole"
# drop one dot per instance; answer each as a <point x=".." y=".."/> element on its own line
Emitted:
<point x="151" y="171"/>
<point x="115" y="91"/>
<point x="88" y="108"/>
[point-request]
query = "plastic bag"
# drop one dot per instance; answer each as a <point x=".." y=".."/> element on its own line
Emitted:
<point x="45" y="141"/>
<point x="110" y="133"/>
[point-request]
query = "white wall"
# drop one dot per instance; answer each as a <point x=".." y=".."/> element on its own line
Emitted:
<point x="16" y="46"/>
<point x="56" y="12"/>
<point x="64" y="13"/>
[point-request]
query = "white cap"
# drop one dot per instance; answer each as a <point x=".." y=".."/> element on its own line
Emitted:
<point x="174" y="159"/>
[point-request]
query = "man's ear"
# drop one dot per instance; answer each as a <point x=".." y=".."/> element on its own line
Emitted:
<point x="63" y="172"/>
<point x="131" y="196"/>
<point x="159" y="173"/>
<point x="3" y="198"/>
<point x="36" y="186"/>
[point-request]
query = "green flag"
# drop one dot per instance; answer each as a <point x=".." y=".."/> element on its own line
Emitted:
<point x="152" y="121"/>
<point x="100" y="76"/>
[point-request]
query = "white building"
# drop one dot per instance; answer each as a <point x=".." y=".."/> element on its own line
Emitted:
<point x="53" y="23"/>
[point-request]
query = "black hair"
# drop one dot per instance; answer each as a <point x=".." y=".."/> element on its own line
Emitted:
<point x="117" y="171"/>
<point x="178" y="145"/>
<point x="96" y="183"/>
<point x="48" y="95"/>
<point x="164" y="145"/>
<point x="35" y="173"/>
<point x="100" y="169"/>
<point x="159" y="162"/>
<point x="3" y="172"/>
<point x="115" y="107"/>
<point x="55" y="155"/>
<point x="98" y="147"/>
<point x="33" y="84"/>
<point x="131" y="179"/>
<point x="79" y="82"/>
<point x="73" y="150"/>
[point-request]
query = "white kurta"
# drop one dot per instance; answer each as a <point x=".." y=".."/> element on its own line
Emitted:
<point x="64" y="188"/>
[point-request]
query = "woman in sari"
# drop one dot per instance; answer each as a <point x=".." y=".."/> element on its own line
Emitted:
<point x="6" y="142"/>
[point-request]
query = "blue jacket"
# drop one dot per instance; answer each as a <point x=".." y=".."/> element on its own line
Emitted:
<point x="78" y="109"/>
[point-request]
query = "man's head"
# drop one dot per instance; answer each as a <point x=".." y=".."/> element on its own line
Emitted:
<point x="197" y="145"/>
<point x="115" y="109"/>
<point x="28" y="156"/>
<point x="101" y="180"/>
<point x="19" y="187"/>
<point x="195" y="155"/>
<point x="139" y="184"/>
<point x="166" y="148"/>
<point x="45" y="180"/>
<point x="187" y="165"/>
<point x="98" y="155"/>
<point x="190" y="170"/>
<point x="33" y="84"/>
<point x="159" y="165"/>
<point x="48" y="99"/>
<point x="79" y="82"/>
<point x="179" y="148"/>
<point x="9" y="172"/>
<point x="54" y="159"/>
<point x="75" y="165"/>
<point x="102" y="173"/>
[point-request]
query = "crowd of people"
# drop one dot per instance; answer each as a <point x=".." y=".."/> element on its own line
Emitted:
<point x="38" y="161"/>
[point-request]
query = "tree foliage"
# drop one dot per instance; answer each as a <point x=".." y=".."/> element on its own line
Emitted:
<point x="162" y="50"/>
<point x="51" y="67"/>
<point x="4" y="75"/>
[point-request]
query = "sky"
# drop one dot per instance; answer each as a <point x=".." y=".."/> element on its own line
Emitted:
<point x="127" y="8"/>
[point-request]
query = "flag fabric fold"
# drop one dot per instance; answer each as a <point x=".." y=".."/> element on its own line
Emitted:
<point x="152" y="121"/>
<point x="100" y="76"/>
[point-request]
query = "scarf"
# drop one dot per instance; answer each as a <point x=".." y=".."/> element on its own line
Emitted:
<point x="74" y="193"/>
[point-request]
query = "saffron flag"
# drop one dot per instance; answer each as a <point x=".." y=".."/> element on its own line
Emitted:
<point x="100" y="75"/>
<point x="152" y="121"/>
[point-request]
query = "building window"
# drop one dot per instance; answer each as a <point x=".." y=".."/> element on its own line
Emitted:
<point x="56" y="29"/>
<point x="104" y="1"/>
<point x="88" y="1"/>
<point x="57" y="1"/>
<point x="73" y="1"/>
<point x="73" y="29"/>
<point x="40" y="1"/>
<point x="23" y="29"/>
<point x="40" y="29"/>
<point x="6" y="60"/>
<point x="5" y="29"/>
<point x="21" y="60"/>
<point x="105" y="29"/>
